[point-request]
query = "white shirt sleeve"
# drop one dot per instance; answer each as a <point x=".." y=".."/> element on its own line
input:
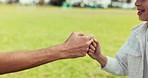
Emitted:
<point x="118" y="64"/>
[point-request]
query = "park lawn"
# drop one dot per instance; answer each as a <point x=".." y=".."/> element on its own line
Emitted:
<point x="30" y="28"/>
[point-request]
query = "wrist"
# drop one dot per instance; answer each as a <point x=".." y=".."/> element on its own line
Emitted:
<point x="61" y="51"/>
<point x="102" y="59"/>
<point x="53" y="53"/>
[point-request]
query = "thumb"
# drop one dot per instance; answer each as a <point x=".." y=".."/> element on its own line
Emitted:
<point x="69" y="37"/>
<point x="90" y="36"/>
<point x="90" y="42"/>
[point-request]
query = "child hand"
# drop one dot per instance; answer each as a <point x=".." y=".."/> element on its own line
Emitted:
<point x="94" y="50"/>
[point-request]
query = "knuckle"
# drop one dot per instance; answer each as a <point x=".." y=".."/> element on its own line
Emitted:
<point x="74" y="33"/>
<point x="85" y="37"/>
<point x="91" y="46"/>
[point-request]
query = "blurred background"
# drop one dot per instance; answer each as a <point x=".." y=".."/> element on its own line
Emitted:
<point x="36" y="24"/>
<point x="76" y="3"/>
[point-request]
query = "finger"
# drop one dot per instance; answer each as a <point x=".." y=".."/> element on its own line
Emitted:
<point x="89" y="42"/>
<point x="98" y="48"/>
<point x="95" y="40"/>
<point x="80" y="33"/>
<point x="69" y="36"/>
<point x="91" y="54"/>
<point x="89" y="36"/>
<point x="94" y="44"/>
<point x="92" y="47"/>
<point x="97" y="43"/>
<point x="91" y="51"/>
<point x="75" y="33"/>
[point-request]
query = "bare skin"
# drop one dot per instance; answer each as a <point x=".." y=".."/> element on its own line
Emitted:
<point x="142" y="8"/>
<point x="76" y="45"/>
<point x="95" y="53"/>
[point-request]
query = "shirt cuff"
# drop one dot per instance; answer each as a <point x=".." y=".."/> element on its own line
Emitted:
<point x="109" y="65"/>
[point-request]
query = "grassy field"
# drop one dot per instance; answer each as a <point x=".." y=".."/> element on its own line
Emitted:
<point x="29" y="28"/>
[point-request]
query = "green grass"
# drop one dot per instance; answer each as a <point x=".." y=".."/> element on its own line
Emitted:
<point x="29" y="28"/>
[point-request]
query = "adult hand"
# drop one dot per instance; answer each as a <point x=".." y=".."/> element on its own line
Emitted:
<point x="77" y="45"/>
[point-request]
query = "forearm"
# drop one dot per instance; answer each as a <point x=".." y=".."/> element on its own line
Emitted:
<point x="16" y="61"/>
<point x="102" y="59"/>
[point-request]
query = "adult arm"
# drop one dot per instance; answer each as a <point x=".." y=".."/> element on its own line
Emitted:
<point x="75" y="46"/>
